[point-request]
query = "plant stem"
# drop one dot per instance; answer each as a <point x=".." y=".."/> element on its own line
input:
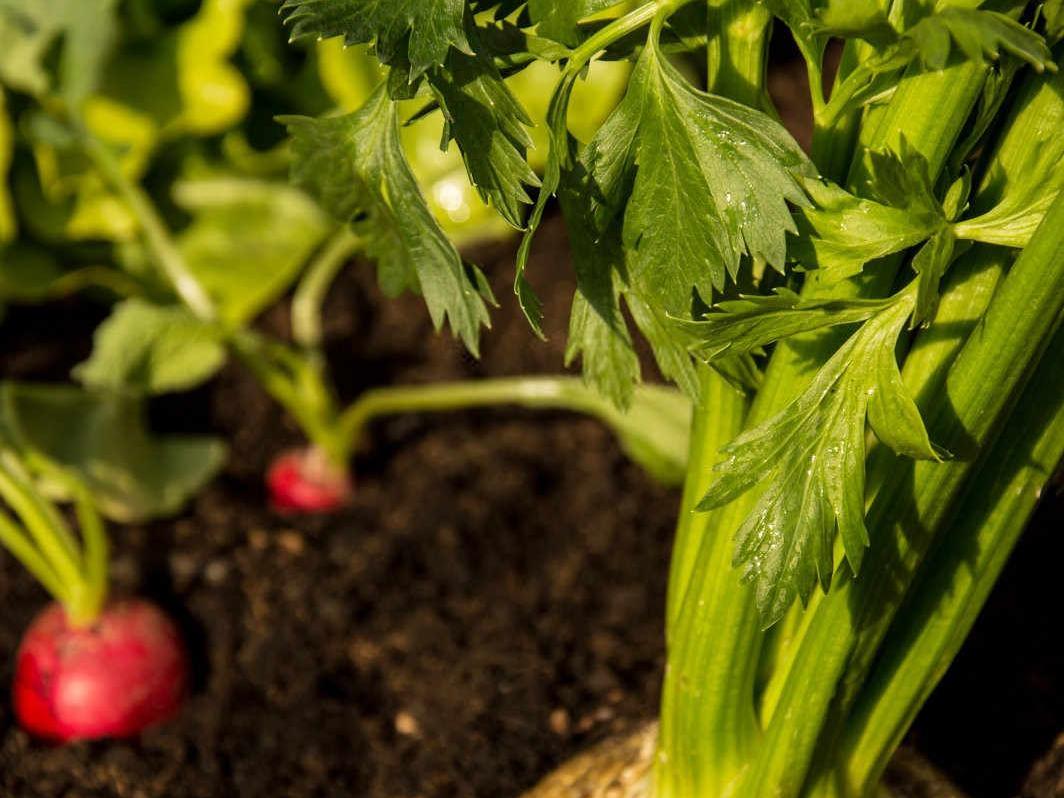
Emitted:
<point x="562" y="393"/>
<point x="310" y="294"/>
<point x="718" y="418"/>
<point x="295" y="380"/>
<point x="43" y="524"/>
<point x="156" y="237"/>
<point x="735" y="57"/>
<point x="76" y="577"/>
<point x="837" y="650"/>
<point x="832" y="149"/>
<point x="952" y="93"/>
<point x="708" y="720"/>
<point x="956" y="582"/>
<point x="95" y="552"/>
<point x="15" y="540"/>
<point x="618" y="29"/>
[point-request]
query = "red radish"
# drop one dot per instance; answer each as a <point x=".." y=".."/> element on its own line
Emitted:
<point x="115" y="677"/>
<point x="305" y="481"/>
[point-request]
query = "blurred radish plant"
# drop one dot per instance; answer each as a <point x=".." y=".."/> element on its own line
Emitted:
<point x="139" y="161"/>
<point x="822" y="577"/>
<point x="87" y="667"/>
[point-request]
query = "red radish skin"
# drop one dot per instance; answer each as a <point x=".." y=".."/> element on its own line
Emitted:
<point x="114" y="678"/>
<point x="304" y="481"/>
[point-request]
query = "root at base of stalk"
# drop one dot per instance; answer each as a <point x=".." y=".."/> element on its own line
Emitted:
<point x="618" y="767"/>
<point x="622" y="767"/>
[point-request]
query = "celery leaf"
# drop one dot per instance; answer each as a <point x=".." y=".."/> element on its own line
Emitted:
<point x="419" y="31"/>
<point x="354" y="165"/>
<point x="842" y="232"/>
<point x="745" y="325"/>
<point x="712" y="184"/>
<point x="489" y="124"/>
<point x="810" y="460"/>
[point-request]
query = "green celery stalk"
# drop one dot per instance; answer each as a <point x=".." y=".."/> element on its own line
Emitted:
<point x="842" y="637"/>
<point x="972" y="282"/>
<point x="955" y="583"/>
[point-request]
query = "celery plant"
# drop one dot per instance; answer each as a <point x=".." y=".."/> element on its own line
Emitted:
<point x="855" y="328"/>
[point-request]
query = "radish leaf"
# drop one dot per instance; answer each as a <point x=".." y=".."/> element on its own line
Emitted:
<point x="29" y="30"/>
<point x="143" y="348"/>
<point x="103" y="437"/>
<point x="247" y="241"/>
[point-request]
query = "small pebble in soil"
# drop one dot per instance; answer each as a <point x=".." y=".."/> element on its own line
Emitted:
<point x="560" y="721"/>
<point x="292" y="542"/>
<point x="406" y="724"/>
<point x="216" y="572"/>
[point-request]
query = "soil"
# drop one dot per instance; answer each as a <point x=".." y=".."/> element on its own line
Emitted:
<point x="490" y="605"/>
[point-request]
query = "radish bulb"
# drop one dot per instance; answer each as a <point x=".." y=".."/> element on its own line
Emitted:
<point x="306" y="481"/>
<point x="114" y="677"/>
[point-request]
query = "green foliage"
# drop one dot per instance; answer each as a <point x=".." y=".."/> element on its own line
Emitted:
<point x="418" y="32"/>
<point x="712" y="184"/>
<point x="354" y="165"/>
<point x="489" y="125"/>
<point x="84" y="30"/>
<point x="610" y="361"/>
<point x="979" y="34"/>
<point x="7" y="149"/>
<point x="810" y="458"/>
<point x="843" y="232"/>
<point x="746" y="325"/>
<point x="1023" y="181"/>
<point x="144" y="348"/>
<point x="1054" y="16"/>
<point x="101" y="437"/>
<point x="248" y="240"/>
<point x="558" y="19"/>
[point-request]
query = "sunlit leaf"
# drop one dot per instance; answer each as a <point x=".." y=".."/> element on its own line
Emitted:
<point x="149" y="349"/>
<point x="248" y="240"/>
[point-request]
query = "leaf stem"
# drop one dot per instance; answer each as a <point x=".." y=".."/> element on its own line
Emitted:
<point x="156" y="236"/>
<point x="618" y="29"/>
<point x="736" y="55"/>
<point x="718" y="418"/>
<point x="15" y="540"/>
<point x="295" y="380"/>
<point x="319" y="275"/>
<point x="41" y="521"/>
<point x="75" y="576"/>
<point x="562" y="393"/>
